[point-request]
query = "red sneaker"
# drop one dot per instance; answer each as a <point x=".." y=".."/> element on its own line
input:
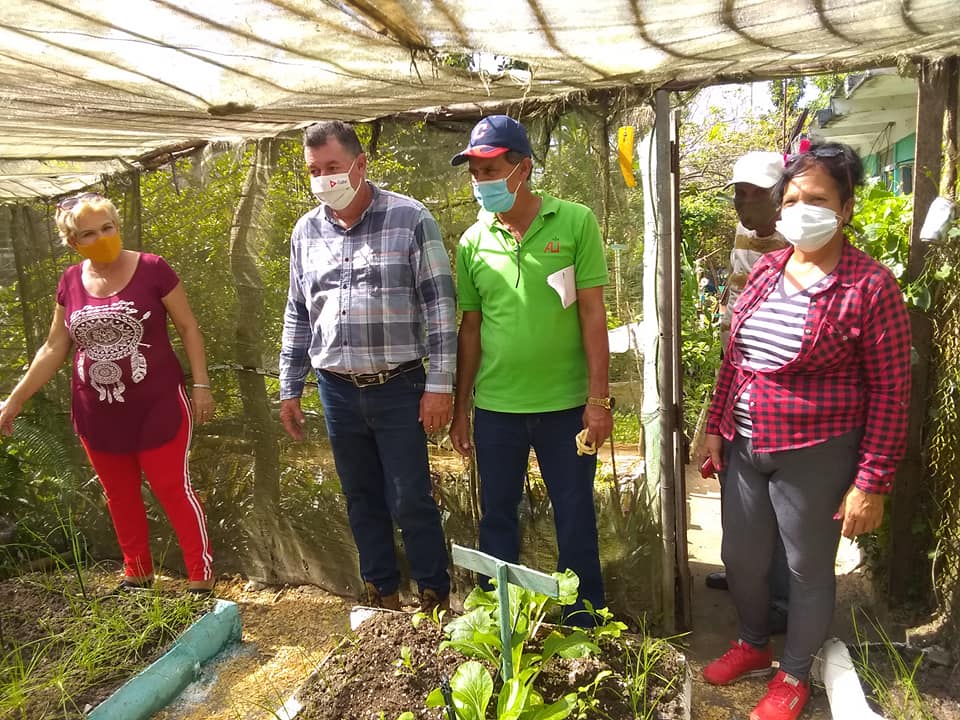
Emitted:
<point x="785" y="699"/>
<point x="741" y="661"/>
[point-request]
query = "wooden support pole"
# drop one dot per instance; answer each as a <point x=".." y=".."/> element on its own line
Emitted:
<point x="132" y="210"/>
<point x="684" y="594"/>
<point x="665" y="359"/>
<point x="906" y="555"/>
<point x="931" y="100"/>
<point x="951" y="152"/>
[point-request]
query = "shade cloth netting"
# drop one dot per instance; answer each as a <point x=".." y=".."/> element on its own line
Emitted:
<point x="88" y="86"/>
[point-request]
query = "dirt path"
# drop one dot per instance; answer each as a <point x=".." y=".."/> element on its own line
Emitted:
<point x="286" y="634"/>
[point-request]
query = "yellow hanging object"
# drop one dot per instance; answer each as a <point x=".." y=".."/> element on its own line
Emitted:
<point x="584" y="447"/>
<point x="625" y="154"/>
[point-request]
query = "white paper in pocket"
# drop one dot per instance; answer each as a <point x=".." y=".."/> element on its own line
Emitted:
<point x="565" y="283"/>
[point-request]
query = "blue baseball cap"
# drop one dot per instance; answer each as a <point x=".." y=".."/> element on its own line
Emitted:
<point x="493" y="136"/>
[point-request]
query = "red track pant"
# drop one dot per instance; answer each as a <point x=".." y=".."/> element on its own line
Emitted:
<point x="168" y="473"/>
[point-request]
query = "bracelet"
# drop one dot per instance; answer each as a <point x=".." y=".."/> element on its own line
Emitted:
<point x="201" y="385"/>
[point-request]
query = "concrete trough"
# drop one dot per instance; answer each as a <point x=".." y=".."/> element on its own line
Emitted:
<point x="161" y="682"/>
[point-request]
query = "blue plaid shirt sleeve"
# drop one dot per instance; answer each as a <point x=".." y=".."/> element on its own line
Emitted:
<point x="437" y="299"/>
<point x="296" y="338"/>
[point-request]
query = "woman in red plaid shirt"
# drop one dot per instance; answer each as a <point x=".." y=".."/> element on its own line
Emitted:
<point x="808" y="419"/>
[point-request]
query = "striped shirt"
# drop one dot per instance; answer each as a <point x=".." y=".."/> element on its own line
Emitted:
<point x="769" y="339"/>
<point x="370" y="297"/>
<point x="747" y="249"/>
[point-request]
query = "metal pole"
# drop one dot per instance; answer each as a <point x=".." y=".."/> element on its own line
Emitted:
<point x="684" y="598"/>
<point x="506" y="631"/>
<point x="665" y="373"/>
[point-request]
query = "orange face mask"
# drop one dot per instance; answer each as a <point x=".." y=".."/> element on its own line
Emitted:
<point x="105" y="249"/>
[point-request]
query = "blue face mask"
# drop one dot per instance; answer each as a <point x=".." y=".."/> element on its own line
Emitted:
<point x="493" y="195"/>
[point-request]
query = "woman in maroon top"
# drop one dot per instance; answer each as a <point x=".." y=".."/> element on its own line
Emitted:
<point x="130" y="408"/>
<point x="808" y="420"/>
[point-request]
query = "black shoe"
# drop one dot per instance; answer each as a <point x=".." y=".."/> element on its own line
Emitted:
<point x="778" y="621"/>
<point x="717" y="581"/>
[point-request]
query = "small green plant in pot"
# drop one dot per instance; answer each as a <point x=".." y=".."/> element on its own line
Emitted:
<point x="476" y="634"/>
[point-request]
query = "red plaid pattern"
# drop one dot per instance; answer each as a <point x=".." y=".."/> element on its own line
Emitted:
<point x="853" y="368"/>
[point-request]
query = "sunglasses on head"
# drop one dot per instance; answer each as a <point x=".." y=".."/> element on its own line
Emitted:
<point x="829" y="151"/>
<point x="826" y="152"/>
<point x="71" y="202"/>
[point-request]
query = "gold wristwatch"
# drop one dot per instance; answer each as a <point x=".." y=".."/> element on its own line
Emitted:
<point x="605" y="402"/>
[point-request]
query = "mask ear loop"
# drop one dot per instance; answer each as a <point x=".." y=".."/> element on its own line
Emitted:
<point x="518" y="266"/>
<point x="846" y="166"/>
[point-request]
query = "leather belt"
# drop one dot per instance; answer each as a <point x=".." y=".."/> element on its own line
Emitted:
<point x="363" y="380"/>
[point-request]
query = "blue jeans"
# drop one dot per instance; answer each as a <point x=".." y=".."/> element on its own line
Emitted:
<point x="380" y="450"/>
<point x="503" y="442"/>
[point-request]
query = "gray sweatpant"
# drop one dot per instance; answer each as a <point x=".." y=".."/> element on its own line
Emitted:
<point x="795" y="493"/>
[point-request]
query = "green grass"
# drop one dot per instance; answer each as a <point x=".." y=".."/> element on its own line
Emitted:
<point x="650" y="673"/>
<point x="626" y="427"/>
<point x="890" y="677"/>
<point x="62" y="647"/>
<point x="63" y="638"/>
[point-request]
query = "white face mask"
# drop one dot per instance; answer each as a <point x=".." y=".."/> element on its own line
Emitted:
<point x="335" y="190"/>
<point x="807" y="227"/>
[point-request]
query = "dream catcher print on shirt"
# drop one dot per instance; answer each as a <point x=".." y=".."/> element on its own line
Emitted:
<point x="105" y="333"/>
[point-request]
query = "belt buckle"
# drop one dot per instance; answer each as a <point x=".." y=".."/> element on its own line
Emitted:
<point x="370" y="379"/>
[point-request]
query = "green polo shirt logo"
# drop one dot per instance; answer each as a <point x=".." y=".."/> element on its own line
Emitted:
<point x="553" y="246"/>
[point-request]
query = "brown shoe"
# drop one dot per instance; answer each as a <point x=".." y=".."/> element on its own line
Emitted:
<point x="429" y="599"/>
<point x="375" y="599"/>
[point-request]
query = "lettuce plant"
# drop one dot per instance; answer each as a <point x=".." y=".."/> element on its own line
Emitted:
<point x="476" y="634"/>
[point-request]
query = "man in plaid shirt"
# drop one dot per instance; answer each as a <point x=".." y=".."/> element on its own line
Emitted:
<point x="371" y="295"/>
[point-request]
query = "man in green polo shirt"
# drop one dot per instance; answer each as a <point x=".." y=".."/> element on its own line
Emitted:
<point x="532" y="351"/>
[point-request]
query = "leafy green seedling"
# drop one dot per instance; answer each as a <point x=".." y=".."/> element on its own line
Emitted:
<point x="404" y="664"/>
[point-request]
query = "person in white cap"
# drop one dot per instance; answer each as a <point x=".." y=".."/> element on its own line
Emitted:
<point x="754" y="176"/>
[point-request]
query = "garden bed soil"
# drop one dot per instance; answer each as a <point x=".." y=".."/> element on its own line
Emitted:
<point x="933" y="683"/>
<point x="364" y="679"/>
<point x="38" y="612"/>
<point x="289" y="631"/>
